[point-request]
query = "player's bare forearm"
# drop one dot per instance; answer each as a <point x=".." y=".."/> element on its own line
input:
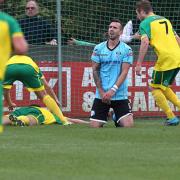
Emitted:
<point x="123" y="75"/>
<point x="77" y="121"/>
<point x="96" y="72"/>
<point x="96" y="78"/>
<point x="7" y="96"/>
<point x="143" y="49"/>
<point x="142" y="52"/>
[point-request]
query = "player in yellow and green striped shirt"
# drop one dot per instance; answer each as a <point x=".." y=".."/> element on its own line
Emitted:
<point x="25" y="70"/>
<point x="158" y="32"/>
<point x="34" y="115"/>
<point x="11" y="36"/>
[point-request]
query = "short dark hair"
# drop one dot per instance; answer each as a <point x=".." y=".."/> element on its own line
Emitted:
<point x="118" y="21"/>
<point x="144" y="5"/>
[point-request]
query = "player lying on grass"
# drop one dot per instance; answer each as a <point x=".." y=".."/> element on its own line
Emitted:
<point x="25" y="70"/>
<point x="34" y="115"/>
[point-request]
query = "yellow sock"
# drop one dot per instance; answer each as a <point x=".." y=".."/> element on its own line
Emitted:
<point x="171" y="96"/>
<point x="1" y="128"/>
<point x="54" y="108"/>
<point x="161" y="101"/>
<point x="24" y="119"/>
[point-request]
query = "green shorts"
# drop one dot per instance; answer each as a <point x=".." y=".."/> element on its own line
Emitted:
<point x="162" y="79"/>
<point x="24" y="73"/>
<point x="31" y="111"/>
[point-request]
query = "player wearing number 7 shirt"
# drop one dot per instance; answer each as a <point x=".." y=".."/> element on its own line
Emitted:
<point x="158" y="32"/>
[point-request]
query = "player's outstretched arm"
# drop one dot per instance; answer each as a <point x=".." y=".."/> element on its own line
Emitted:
<point x="73" y="41"/>
<point x="77" y="121"/>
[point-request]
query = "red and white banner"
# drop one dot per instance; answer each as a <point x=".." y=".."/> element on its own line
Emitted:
<point x="78" y="89"/>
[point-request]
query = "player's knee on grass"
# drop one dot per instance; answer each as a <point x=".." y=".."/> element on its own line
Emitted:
<point x="125" y="121"/>
<point x="96" y="124"/>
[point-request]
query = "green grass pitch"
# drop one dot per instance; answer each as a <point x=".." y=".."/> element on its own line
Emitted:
<point x="149" y="151"/>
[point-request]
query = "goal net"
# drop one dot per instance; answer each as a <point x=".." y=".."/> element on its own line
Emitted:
<point x="84" y="24"/>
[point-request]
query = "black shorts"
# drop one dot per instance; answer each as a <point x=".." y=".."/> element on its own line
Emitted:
<point x="100" y="110"/>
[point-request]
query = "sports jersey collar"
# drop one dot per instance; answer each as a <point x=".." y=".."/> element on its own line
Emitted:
<point x="151" y="14"/>
<point x="114" y="47"/>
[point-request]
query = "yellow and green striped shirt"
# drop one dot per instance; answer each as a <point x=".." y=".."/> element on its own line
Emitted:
<point x="162" y="38"/>
<point x="9" y="28"/>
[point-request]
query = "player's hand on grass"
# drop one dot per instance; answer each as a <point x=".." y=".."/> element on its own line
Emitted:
<point x="67" y="123"/>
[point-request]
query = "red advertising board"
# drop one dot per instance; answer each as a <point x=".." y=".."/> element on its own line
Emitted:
<point x="78" y="89"/>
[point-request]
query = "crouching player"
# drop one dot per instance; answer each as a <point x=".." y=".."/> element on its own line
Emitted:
<point x="25" y="70"/>
<point x="34" y="115"/>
